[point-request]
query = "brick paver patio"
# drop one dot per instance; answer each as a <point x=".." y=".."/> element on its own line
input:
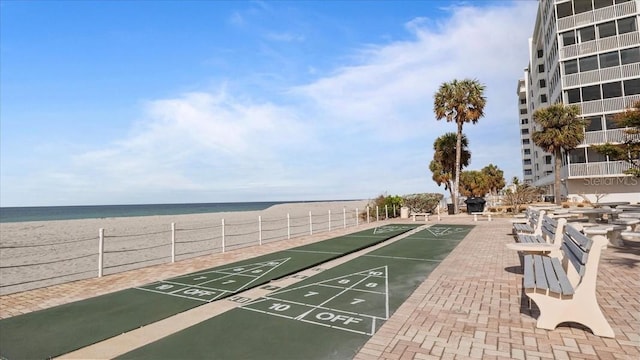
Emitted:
<point x="469" y="307"/>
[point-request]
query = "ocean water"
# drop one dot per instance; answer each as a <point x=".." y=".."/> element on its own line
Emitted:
<point x="44" y="213"/>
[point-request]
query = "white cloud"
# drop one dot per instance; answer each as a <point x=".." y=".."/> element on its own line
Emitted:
<point x="366" y="129"/>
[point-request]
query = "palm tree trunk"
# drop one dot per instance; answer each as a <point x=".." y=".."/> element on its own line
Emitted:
<point x="456" y="185"/>
<point x="556" y="182"/>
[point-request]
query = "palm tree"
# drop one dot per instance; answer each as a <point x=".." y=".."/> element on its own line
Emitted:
<point x="443" y="164"/>
<point x="562" y="129"/>
<point x="459" y="102"/>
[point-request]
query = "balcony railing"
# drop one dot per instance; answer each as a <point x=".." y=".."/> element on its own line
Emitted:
<point x="601" y="75"/>
<point x="607" y="136"/>
<point x="604" y="168"/>
<point x="586" y="170"/>
<point x="608" y="105"/>
<point x="626" y="8"/>
<point x="599" y="45"/>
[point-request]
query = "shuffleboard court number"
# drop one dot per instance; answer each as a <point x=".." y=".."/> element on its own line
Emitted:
<point x="344" y="281"/>
<point x="311" y="293"/>
<point x="200" y="278"/>
<point x="357" y="301"/>
<point x="279" y="307"/>
<point x="164" y="287"/>
<point x="371" y="285"/>
<point x="375" y="273"/>
<point x="228" y="282"/>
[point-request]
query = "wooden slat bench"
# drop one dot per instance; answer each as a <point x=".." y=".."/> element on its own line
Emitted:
<point x="564" y="288"/>
<point x="532" y="225"/>
<point x="550" y="238"/>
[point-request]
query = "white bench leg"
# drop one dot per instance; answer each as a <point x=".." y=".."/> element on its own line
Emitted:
<point x="489" y="216"/>
<point x="584" y="311"/>
<point x="475" y="217"/>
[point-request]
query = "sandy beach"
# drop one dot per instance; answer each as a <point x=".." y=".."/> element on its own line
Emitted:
<point x="42" y="253"/>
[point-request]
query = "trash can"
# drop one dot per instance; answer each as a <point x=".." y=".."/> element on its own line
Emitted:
<point x="451" y="210"/>
<point x="404" y="212"/>
<point x="475" y="204"/>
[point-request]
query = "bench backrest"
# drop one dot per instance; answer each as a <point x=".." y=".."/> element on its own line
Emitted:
<point x="581" y="257"/>
<point x="535" y="221"/>
<point x="552" y="229"/>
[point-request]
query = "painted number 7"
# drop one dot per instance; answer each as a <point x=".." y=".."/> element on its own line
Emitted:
<point x="311" y="293"/>
<point x="357" y="301"/>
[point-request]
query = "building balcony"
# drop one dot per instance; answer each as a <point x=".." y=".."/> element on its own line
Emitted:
<point x="608" y="105"/>
<point x="589" y="17"/>
<point x="587" y="170"/>
<point x="600" y="45"/>
<point x="602" y="75"/>
<point x="607" y="136"/>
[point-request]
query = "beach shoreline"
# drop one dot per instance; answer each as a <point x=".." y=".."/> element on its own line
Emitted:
<point x="34" y="254"/>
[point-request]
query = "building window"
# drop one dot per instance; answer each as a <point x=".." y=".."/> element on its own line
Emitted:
<point x="543" y="98"/>
<point x="607" y="29"/>
<point x="527" y="172"/>
<point x="564" y="10"/>
<point x="599" y="4"/>
<point x="609" y="59"/>
<point x="593" y="123"/>
<point x="527" y="151"/>
<point x="629" y="56"/>
<point x="581" y="6"/>
<point x="632" y="87"/>
<point x="594" y="156"/>
<point x="524" y="131"/>
<point x="547" y="159"/>
<point x="541" y="68"/>
<point x="525" y="142"/>
<point x="527" y="161"/>
<point x="543" y="83"/>
<point x="588" y="63"/>
<point x="590" y="93"/>
<point x="568" y="38"/>
<point x="523" y="111"/>
<point x="577" y="156"/>
<point x="523" y="101"/>
<point x="611" y="90"/>
<point x="627" y="25"/>
<point x="524" y="121"/>
<point x="573" y="96"/>
<point x="610" y="121"/>
<point x="570" y="67"/>
<point x="587" y="34"/>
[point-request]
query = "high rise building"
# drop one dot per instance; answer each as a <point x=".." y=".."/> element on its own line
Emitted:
<point x="587" y="53"/>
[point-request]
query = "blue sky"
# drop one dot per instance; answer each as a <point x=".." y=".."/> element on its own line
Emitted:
<point x="125" y="102"/>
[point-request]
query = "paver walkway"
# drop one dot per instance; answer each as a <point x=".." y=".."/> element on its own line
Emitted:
<point x="469" y="307"/>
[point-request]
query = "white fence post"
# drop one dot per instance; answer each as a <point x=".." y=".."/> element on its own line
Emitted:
<point x="386" y="212"/>
<point x="377" y="213"/>
<point x="329" y="220"/>
<point x="288" y="226"/>
<point x="368" y="214"/>
<point x="259" y="230"/>
<point x="100" y="250"/>
<point x="222" y="235"/>
<point x="344" y="217"/>
<point x="310" y="224"/>
<point x="173" y="242"/>
<point x="394" y="210"/>
<point x="357" y="217"/>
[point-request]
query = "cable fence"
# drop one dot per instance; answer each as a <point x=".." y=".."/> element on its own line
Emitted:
<point x="113" y="251"/>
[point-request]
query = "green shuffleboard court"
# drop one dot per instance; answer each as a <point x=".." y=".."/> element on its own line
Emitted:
<point x="65" y="328"/>
<point x="326" y="316"/>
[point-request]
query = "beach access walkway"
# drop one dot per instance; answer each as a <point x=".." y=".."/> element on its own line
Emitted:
<point x="470" y="306"/>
